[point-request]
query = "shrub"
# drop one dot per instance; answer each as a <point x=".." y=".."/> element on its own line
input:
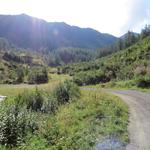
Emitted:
<point x="37" y="101"/>
<point x="20" y="75"/>
<point x="15" y="123"/>
<point x="31" y="100"/>
<point x="66" y="91"/>
<point x="89" y="77"/>
<point x="18" y="116"/>
<point x="50" y="104"/>
<point x="38" y="76"/>
<point x="143" y="81"/>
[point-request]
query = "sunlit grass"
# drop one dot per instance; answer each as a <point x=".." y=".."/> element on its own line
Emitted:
<point x="84" y="122"/>
<point x="12" y="90"/>
<point x="122" y="85"/>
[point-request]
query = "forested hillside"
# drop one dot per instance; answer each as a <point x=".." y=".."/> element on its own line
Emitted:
<point x="131" y="63"/>
<point x="125" y="41"/>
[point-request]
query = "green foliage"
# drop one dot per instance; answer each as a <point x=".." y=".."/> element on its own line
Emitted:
<point x="37" y="101"/>
<point x="16" y="66"/>
<point x="90" y="77"/>
<point x="18" y="116"/>
<point x="38" y="76"/>
<point x="33" y="120"/>
<point x="11" y="57"/>
<point x="66" y="92"/>
<point x="145" y="32"/>
<point x="123" y="65"/>
<point x="32" y="100"/>
<point x="82" y="123"/>
<point x="20" y="75"/>
<point x="34" y="143"/>
<point x="40" y="101"/>
<point x="120" y="84"/>
<point x="68" y="55"/>
<point x="143" y="81"/>
<point x="15" y="123"/>
<point x="127" y="40"/>
<point x="14" y="73"/>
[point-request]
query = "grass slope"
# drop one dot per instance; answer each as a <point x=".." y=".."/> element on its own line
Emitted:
<point x="89" y="120"/>
<point x="131" y="63"/>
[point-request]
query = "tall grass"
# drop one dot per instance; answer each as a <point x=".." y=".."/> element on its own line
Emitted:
<point x="45" y="121"/>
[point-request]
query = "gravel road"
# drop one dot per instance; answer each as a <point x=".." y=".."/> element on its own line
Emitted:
<point x="139" y="125"/>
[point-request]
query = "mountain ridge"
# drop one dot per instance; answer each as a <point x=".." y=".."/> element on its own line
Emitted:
<point x="30" y="32"/>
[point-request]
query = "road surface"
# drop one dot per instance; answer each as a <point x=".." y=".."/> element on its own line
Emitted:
<point x="139" y="125"/>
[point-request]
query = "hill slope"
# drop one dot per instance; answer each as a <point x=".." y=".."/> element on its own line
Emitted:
<point x="131" y="63"/>
<point x="28" y="32"/>
<point x="19" y="67"/>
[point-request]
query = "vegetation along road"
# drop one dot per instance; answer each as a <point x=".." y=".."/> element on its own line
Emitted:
<point x="2" y="97"/>
<point x="139" y="126"/>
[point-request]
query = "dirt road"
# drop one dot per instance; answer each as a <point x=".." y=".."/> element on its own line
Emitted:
<point x="139" y="125"/>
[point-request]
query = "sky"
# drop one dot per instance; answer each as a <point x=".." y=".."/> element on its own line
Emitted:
<point x="107" y="16"/>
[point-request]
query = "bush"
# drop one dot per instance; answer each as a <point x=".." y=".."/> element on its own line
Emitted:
<point x="37" y="101"/>
<point x="15" y="123"/>
<point x="50" y="104"/>
<point x="90" y="77"/>
<point x="18" y="116"/>
<point x="143" y="81"/>
<point x="40" y="101"/>
<point x="85" y="121"/>
<point x="66" y="91"/>
<point x="20" y="75"/>
<point x="38" y="76"/>
<point x="31" y="100"/>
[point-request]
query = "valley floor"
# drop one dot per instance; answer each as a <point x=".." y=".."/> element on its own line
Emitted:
<point x="13" y="90"/>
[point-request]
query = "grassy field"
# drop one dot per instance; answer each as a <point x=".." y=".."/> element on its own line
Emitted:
<point x="12" y="90"/>
<point x="90" y="119"/>
<point x="124" y="85"/>
<point x="119" y="85"/>
<point x="83" y="124"/>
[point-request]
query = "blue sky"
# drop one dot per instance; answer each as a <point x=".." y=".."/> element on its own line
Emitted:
<point x="108" y="16"/>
